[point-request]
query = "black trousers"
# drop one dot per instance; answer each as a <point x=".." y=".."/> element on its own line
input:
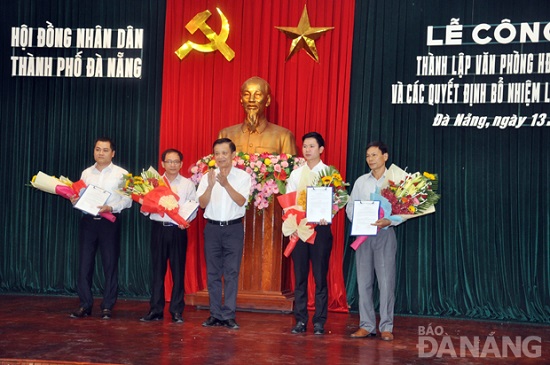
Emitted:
<point x="319" y="255"/>
<point x="223" y="251"/>
<point x="105" y="235"/>
<point x="168" y="243"/>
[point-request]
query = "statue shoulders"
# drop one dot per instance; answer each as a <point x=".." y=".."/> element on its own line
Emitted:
<point x="231" y="130"/>
<point x="278" y="128"/>
<point x="240" y="128"/>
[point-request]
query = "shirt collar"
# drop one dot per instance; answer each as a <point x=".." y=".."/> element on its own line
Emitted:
<point x="320" y="165"/>
<point x="177" y="179"/>
<point x="371" y="176"/>
<point x="106" y="169"/>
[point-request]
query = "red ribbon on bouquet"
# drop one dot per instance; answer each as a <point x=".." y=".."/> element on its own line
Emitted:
<point x="69" y="191"/>
<point x="294" y="220"/>
<point x="162" y="200"/>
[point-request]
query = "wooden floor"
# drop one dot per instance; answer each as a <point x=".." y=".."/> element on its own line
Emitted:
<point x="38" y="330"/>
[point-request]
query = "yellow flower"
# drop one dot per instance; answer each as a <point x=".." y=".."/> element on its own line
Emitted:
<point x="212" y="163"/>
<point x="246" y="157"/>
<point x="429" y="176"/>
<point x="326" y="180"/>
<point x="267" y="162"/>
<point x="301" y="200"/>
<point x="412" y="209"/>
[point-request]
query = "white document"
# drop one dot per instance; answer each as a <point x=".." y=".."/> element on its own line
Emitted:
<point x="188" y="208"/>
<point x="365" y="213"/>
<point x="319" y="204"/>
<point x="93" y="198"/>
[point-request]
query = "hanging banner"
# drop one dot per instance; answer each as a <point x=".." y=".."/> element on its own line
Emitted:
<point x="469" y="65"/>
<point x="80" y="53"/>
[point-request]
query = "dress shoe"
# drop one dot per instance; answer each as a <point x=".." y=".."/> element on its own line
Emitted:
<point x="362" y="333"/>
<point x="387" y="336"/>
<point x="177" y="318"/>
<point x="230" y="323"/>
<point x="151" y="317"/>
<point x="106" y="314"/>
<point x="318" y="329"/>
<point x="81" y="312"/>
<point x="299" y="328"/>
<point x="212" y="322"/>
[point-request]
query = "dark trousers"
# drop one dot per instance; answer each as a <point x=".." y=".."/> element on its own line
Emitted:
<point x="223" y="251"/>
<point x="319" y="255"/>
<point x="105" y="235"/>
<point x="168" y="243"/>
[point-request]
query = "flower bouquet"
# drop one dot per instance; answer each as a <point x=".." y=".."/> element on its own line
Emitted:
<point x="64" y="187"/>
<point x="404" y="196"/>
<point x="294" y="220"/>
<point x="154" y="194"/>
<point x="268" y="173"/>
<point x="410" y="195"/>
<point x="331" y="177"/>
<point x="294" y="205"/>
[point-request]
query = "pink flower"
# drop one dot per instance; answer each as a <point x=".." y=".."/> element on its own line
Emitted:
<point x="265" y="170"/>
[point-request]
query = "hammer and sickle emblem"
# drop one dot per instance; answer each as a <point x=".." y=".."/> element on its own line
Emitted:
<point x="217" y="41"/>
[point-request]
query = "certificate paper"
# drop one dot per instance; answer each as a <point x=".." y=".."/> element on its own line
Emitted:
<point x="319" y="204"/>
<point x="365" y="213"/>
<point x="188" y="209"/>
<point x="93" y="198"/>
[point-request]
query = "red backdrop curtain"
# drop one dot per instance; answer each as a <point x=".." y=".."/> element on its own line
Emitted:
<point x="200" y="94"/>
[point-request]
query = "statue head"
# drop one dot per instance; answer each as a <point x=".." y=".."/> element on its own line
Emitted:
<point x="255" y="98"/>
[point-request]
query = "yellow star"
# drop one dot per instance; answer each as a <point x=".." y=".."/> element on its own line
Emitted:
<point x="304" y="36"/>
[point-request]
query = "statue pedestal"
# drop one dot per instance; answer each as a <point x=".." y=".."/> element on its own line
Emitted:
<point x="264" y="279"/>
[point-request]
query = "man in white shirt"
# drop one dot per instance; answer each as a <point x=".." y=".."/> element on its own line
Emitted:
<point x="169" y="243"/>
<point x="223" y="194"/>
<point x="317" y="253"/>
<point x="377" y="253"/>
<point x="98" y="232"/>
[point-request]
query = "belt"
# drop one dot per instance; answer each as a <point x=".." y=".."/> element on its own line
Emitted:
<point x="166" y="224"/>
<point x="225" y="223"/>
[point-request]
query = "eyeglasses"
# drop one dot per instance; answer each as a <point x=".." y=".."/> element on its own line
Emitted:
<point x="172" y="162"/>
